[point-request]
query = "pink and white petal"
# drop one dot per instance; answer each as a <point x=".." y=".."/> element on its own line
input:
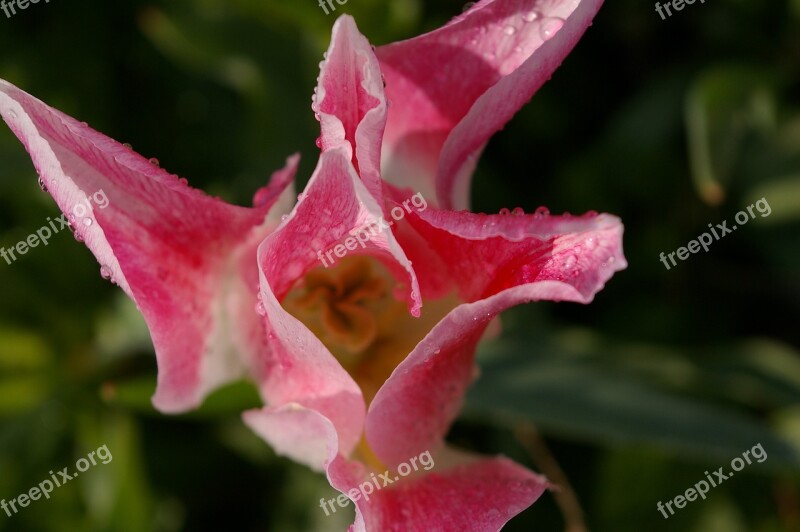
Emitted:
<point x="415" y="407"/>
<point x="299" y="433"/>
<point x="452" y="88"/>
<point x="480" y="496"/>
<point x="350" y="101"/>
<point x="168" y="246"/>
<point x="300" y="369"/>
<point x="501" y="102"/>
<point x="485" y="254"/>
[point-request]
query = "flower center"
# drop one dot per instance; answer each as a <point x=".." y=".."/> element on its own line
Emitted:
<point x="352" y="310"/>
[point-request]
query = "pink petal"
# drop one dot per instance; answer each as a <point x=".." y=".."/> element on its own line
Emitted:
<point x="480" y="496"/>
<point x="301" y="369"/>
<point x="453" y="88"/>
<point x="168" y="246"/>
<point x="350" y="101"/>
<point x="414" y="409"/>
<point x="484" y="254"/>
<point x="303" y="435"/>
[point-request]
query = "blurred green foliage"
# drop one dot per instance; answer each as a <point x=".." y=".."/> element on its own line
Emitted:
<point x="671" y="125"/>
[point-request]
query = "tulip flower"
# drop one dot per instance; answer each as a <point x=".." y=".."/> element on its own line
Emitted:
<point x="363" y="363"/>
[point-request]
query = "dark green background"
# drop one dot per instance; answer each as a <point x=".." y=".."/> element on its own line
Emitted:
<point x="667" y="374"/>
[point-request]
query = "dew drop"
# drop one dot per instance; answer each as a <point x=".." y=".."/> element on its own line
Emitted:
<point x="77" y="236"/>
<point x="284" y="216"/>
<point x="42" y="184"/>
<point x="530" y="16"/>
<point x="517" y="211"/>
<point x="489" y="56"/>
<point x="184" y="181"/>
<point x="509" y="30"/>
<point x="518" y="49"/>
<point x="505" y="212"/>
<point x="87" y="222"/>
<point x="154" y="161"/>
<point x="129" y="146"/>
<point x="591" y="244"/>
<point x="260" y="310"/>
<point x="467" y="7"/>
<point x="318" y="142"/>
<point x="12" y="113"/>
<point x="437" y="351"/>
<point x="570" y="261"/>
<point x="105" y="272"/>
<point x="541" y="212"/>
<point x="549" y="27"/>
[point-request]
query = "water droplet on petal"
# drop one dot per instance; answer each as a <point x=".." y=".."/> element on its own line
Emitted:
<point x="154" y="161"/>
<point x="318" y="142"/>
<point x="570" y="261"/>
<point x="467" y="7"/>
<point x="542" y="211"/>
<point x="509" y="30"/>
<point x="530" y="16"/>
<point x="549" y="27"/>
<point x="130" y="147"/>
<point x="284" y="216"/>
<point x="260" y="309"/>
<point x="517" y="211"/>
<point x="87" y="222"/>
<point x="105" y="272"/>
<point x="12" y="113"/>
<point x="505" y="212"/>
<point x="77" y="236"/>
<point x="437" y="351"/>
<point x="42" y="184"/>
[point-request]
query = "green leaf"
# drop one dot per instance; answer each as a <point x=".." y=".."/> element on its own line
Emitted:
<point x="135" y="394"/>
<point x="722" y="107"/>
<point x="572" y="392"/>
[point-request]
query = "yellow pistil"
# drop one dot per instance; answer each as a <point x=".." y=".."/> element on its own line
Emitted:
<point x="352" y="310"/>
